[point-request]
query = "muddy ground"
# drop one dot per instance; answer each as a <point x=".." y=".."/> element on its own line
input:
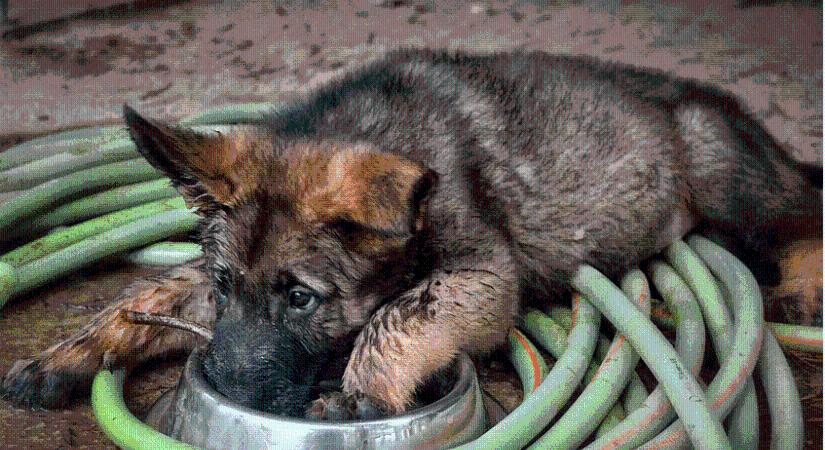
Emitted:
<point x="75" y="62"/>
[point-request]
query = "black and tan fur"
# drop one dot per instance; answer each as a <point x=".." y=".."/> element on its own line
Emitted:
<point x="419" y="202"/>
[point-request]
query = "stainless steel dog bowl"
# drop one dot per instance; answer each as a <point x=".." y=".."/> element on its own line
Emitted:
<point x="198" y="415"/>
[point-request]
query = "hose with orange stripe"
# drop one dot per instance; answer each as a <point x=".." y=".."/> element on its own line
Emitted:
<point x="736" y="369"/>
<point x="604" y="389"/>
<point x="743" y="423"/>
<point x="790" y="336"/>
<point x="797" y="337"/>
<point x="551" y="333"/>
<point x="778" y="382"/>
<point x="519" y="427"/>
<point x="685" y="393"/>
<point x="527" y="361"/>
<point x="657" y="412"/>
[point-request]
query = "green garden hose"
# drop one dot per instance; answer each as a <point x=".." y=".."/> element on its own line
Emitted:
<point x="76" y="233"/>
<point x="777" y="379"/>
<point x="73" y="141"/>
<point x="44" y="195"/>
<point x="124" y="429"/>
<point x="613" y="418"/>
<point x="41" y="170"/>
<point x="684" y="392"/>
<point x="96" y="204"/>
<point x="528" y="362"/>
<point x="518" y="428"/>
<point x="735" y="370"/>
<point x="656" y="412"/>
<point x="636" y="393"/>
<point x="134" y="234"/>
<point x="798" y="337"/>
<point x="241" y="113"/>
<point x="546" y="331"/>
<point x="166" y="254"/>
<point x="743" y="427"/>
<point x="784" y="405"/>
<point x="605" y="387"/>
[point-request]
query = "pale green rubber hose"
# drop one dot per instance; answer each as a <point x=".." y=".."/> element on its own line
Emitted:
<point x="784" y="405"/>
<point x="635" y="394"/>
<point x="73" y="141"/>
<point x="681" y="387"/>
<point x="603" y="391"/>
<point x="526" y="359"/>
<point x="166" y="254"/>
<point x="734" y="372"/>
<point x="76" y="233"/>
<point x="777" y="378"/>
<point x="97" y="204"/>
<point x="242" y="113"/>
<point x="114" y="418"/>
<point x="518" y="428"/>
<point x="125" y="237"/>
<point x="798" y="337"/>
<point x="743" y="422"/>
<point x="657" y="412"/>
<point x="44" y="195"/>
<point x="41" y="170"/>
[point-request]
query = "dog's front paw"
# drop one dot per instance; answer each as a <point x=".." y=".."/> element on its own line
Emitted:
<point x="31" y="383"/>
<point x="339" y="406"/>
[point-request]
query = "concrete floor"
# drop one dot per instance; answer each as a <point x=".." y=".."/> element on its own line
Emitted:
<point x="73" y="63"/>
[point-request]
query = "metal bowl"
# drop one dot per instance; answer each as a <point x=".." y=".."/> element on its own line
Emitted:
<point x="198" y="415"/>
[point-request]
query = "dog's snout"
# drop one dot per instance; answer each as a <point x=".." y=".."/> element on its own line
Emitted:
<point x="262" y="369"/>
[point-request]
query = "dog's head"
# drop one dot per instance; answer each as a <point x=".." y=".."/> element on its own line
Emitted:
<point x="305" y="240"/>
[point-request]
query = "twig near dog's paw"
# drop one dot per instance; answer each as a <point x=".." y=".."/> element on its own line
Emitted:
<point x="142" y="318"/>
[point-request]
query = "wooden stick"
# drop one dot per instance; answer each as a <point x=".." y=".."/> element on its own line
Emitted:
<point x="142" y="318"/>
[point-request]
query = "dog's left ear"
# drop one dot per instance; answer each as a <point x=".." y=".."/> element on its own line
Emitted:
<point x="382" y="192"/>
<point x="207" y="168"/>
<point x="399" y="194"/>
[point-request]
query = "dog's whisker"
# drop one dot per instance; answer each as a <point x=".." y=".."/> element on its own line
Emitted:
<point x="144" y="318"/>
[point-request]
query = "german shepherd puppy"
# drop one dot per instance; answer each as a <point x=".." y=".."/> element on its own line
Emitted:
<point x="402" y="214"/>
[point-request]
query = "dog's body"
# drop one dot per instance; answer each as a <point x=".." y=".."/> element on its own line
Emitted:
<point x="407" y="210"/>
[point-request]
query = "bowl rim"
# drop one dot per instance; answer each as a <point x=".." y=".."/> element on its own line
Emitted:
<point x="466" y="380"/>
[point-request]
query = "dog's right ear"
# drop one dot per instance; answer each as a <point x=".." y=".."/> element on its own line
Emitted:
<point x="207" y="168"/>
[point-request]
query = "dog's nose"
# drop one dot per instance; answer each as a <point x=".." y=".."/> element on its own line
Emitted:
<point x="261" y="367"/>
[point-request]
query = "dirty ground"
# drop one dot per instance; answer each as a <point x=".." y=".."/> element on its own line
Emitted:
<point x="75" y="62"/>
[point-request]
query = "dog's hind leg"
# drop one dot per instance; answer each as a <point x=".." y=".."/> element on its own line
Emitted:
<point x="744" y="184"/>
<point x="66" y="370"/>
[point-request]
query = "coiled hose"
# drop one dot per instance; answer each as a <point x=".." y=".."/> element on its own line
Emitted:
<point x="101" y="199"/>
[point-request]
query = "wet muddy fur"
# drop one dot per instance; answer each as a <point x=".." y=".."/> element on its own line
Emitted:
<point x="403" y="214"/>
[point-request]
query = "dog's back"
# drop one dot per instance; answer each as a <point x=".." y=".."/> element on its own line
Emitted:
<point x="572" y="160"/>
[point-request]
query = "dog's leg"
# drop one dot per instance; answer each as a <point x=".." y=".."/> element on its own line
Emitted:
<point x="66" y="369"/>
<point x="799" y="293"/>
<point x="466" y="306"/>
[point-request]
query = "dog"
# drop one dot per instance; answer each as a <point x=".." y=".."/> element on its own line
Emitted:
<point x="404" y="213"/>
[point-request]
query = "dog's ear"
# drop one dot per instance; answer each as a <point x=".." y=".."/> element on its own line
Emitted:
<point x="207" y="168"/>
<point x="381" y="192"/>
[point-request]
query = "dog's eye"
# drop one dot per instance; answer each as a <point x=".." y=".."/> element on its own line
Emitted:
<point x="302" y="299"/>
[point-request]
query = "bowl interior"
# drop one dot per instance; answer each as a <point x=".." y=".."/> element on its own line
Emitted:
<point x="444" y="388"/>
